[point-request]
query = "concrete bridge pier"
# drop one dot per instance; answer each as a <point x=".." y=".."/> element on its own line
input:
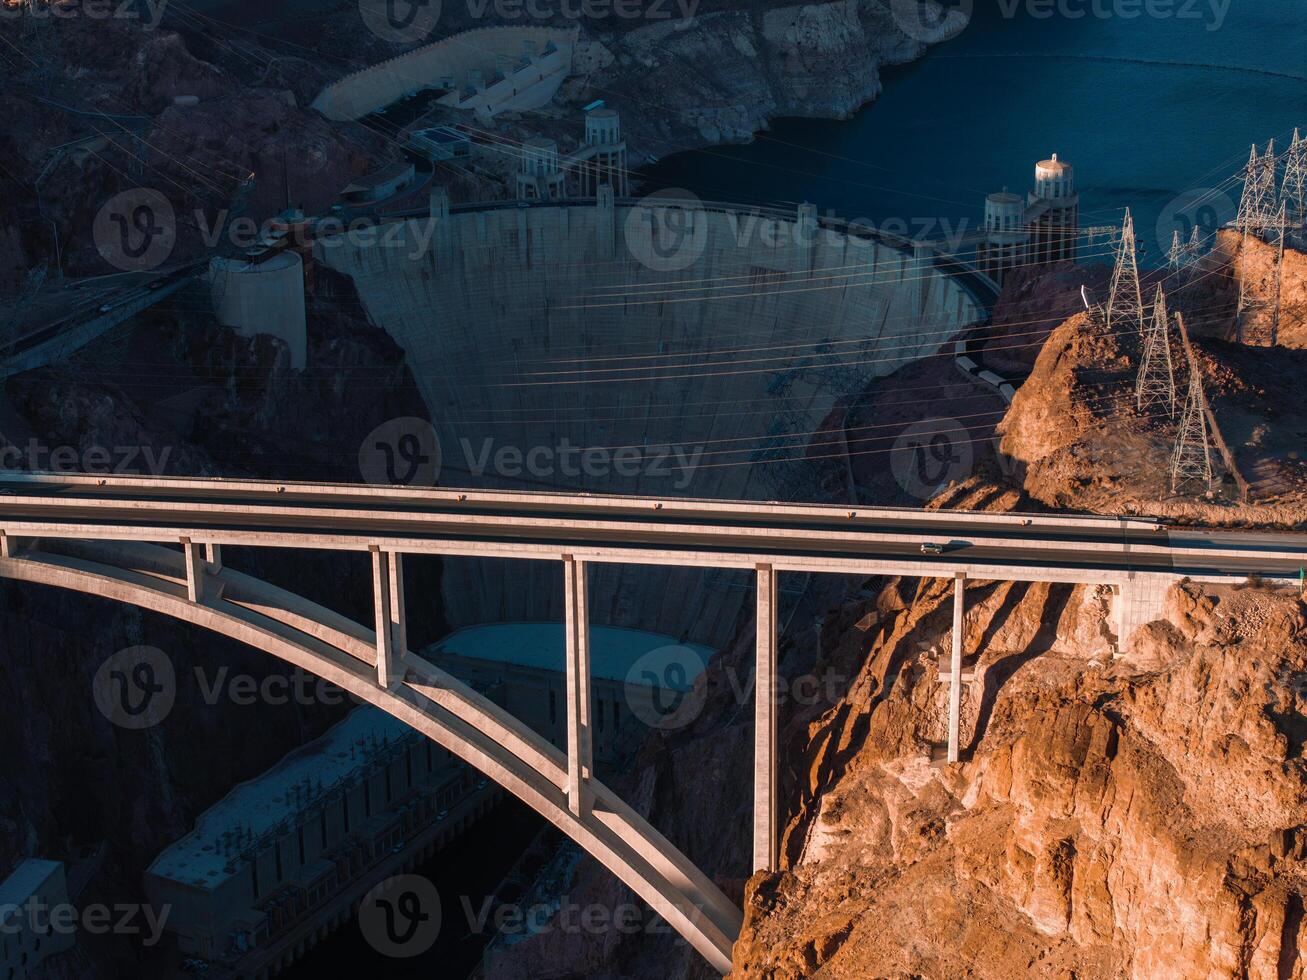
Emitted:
<point x="955" y="667"/>
<point x="765" y="850"/>
<point x="392" y="632"/>
<point x="580" y="743"/>
<point x="194" y="571"/>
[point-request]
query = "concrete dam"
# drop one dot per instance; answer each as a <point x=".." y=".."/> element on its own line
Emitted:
<point x="641" y="347"/>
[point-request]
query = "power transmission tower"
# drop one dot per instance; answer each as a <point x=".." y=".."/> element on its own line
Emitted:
<point x="1258" y="204"/>
<point x="1125" y="305"/>
<point x="1156" y="382"/>
<point x="1259" y="209"/>
<point x="1293" y="190"/>
<point x="1192" y="457"/>
<point x="1178" y="255"/>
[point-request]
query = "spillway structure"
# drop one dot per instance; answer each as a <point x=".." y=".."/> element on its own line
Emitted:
<point x="643" y="346"/>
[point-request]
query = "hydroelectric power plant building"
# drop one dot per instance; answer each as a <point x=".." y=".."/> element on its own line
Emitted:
<point x="284" y="859"/>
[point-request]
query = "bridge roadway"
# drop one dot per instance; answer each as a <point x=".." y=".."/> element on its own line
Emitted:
<point x="105" y="536"/>
<point x="679" y="531"/>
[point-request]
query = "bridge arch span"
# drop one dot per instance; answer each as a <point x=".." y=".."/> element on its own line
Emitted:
<point x="338" y="650"/>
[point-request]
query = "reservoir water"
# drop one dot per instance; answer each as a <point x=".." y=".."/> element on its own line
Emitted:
<point x="1152" y="110"/>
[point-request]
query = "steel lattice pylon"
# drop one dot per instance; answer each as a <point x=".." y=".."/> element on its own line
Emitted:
<point x="1293" y="189"/>
<point x="1125" y="305"/>
<point x="1259" y="204"/>
<point x="1192" y="457"/>
<point x="1155" y="384"/>
<point x="1260" y="209"/>
<point x="1178" y="254"/>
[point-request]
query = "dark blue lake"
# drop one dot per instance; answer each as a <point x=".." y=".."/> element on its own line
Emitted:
<point x="1152" y="110"/>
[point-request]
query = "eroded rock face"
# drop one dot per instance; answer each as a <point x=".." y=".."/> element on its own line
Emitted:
<point x="1140" y="816"/>
<point x="721" y="75"/>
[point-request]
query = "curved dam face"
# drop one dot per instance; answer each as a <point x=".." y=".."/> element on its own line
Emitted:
<point x="640" y="348"/>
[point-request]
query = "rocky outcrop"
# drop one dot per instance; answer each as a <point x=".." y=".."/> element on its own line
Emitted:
<point x="1075" y="437"/>
<point x="720" y="76"/>
<point x="1253" y="262"/>
<point x="1140" y="817"/>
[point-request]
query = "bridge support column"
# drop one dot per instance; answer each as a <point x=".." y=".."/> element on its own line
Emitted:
<point x="7" y="545"/>
<point x="765" y="835"/>
<point x="194" y="571"/>
<point x="213" y="555"/>
<point x="388" y="598"/>
<point x="580" y="758"/>
<point x="955" y="667"/>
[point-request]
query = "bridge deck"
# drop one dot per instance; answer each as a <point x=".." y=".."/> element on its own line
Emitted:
<point x="669" y="531"/>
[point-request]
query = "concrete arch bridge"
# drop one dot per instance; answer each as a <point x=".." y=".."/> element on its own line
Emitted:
<point x="156" y="543"/>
